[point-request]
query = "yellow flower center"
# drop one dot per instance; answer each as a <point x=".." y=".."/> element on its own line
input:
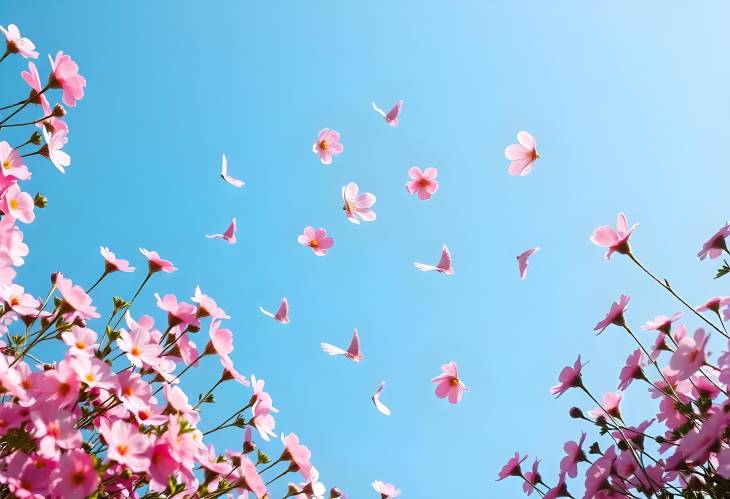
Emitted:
<point x="13" y="203"/>
<point x="314" y="243"/>
<point x="80" y="345"/>
<point x="454" y="381"/>
<point x="7" y="164"/>
<point x="135" y="351"/>
<point x="90" y="377"/>
<point x="323" y="145"/>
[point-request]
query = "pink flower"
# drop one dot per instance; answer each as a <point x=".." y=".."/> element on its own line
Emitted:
<point x="27" y="477"/>
<point x="12" y="163"/>
<point x="207" y="306"/>
<point x="65" y="75"/>
<point x="532" y="478"/>
<point x="391" y="118"/>
<point x="75" y="476"/>
<point x="18" y="44"/>
<point x="250" y="479"/>
<point x="714" y="304"/>
<point x="282" y="314"/>
<point x="632" y="370"/>
<point x="92" y="371"/>
<point x="716" y="244"/>
<point x="610" y="406"/>
<point x="53" y="149"/>
<point x="573" y="455"/>
<point x="689" y="355"/>
<point x="569" y="378"/>
<point x="60" y="386"/>
<point x="298" y="454"/>
<point x="522" y="260"/>
<point x="615" y="315"/>
<point x="126" y="445"/>
<point x="385" y="490"/>
<point x="357" y="205"/>
<point x="662" y="323"/>
<point x="18" y="204"/>
<point x="112" y="263"/>
<point x="221" y="340"/>
<point x="162" y="465"/>
<point x="157" y="264"/>
<point x="422" y="183"/>
<point x="615" y="240"/>
<point x="448" y="383"/>
<point x="512" y="468"/>
<point x="178" y="313"/>
<point x="560" y="490"/>
<point x="316" y="239"/>
<point x="327" y="145"/>
<point x="139" y="347"/>
<point x="81" y="341"/>
<point x="54" y="429"/>
<point x="598" y="474"/>
<point x="228" y="236"/>
<point x="522" y="155"/>
<point x="11" y="242"/>
<point x="16" y="299"/>
<point x="75" y="298"/>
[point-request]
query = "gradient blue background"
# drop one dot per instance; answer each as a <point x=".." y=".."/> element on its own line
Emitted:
<point x="629" y="105"/>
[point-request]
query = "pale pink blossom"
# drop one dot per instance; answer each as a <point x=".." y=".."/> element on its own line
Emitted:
<point x="53" y="149"/>
<point x="391" y="117"/>
<point x="448" y="383"/>
<point x="299" y="455"/>
<point x="357" y="206"/>
<point x="522" y="258"/>
<point x="281" y="315"/>
<point x="610" y="406"/>
<point x="317" y="239"/>
<point x="112" y="263"/>
<point x="689" y="356"/>
<point x="532" y="478"/>
<point x="615" y="240"/>
<point x="443" y="267"/>
<point x="615" y="315"/>
<point x="75" y="298"/>
<point x="385" y="490"/>
<point x="33" y="79"/>
<point x="228" y="236"/>
<point x="224" y="174"/>
<point x="15" y="43"/>
<point x="125" y="445"/>
<point x="207" y="306"/>
<point x="249" y="479"/>
<point x="80" y="340"/>
<point x="11" y="242"/>
<point x="178" y="313"/>
<point x="93" y="372"/>
<point x="522" y="155"/>
<point x="16" y="299"/>
<point x="662" y="323"/>
<point x="221" y="340"/>
<point x="423" y="183"/>
<point x="569" y="377"/>
<point x="12" y="163"/>
<point x="54" y="429"/>
<point x="141" y="350"/>
<point x="157" y="264"/>
<point x="381" y="407"/>
<point x="18" y="204"/>
<point x="715" y="246"/>
<point x="714" y="304"/>
<point x="353" y="351"/>
<point x="65" y="75"/>
<point x="327" y="145"/>
<point x="75" y="476"/>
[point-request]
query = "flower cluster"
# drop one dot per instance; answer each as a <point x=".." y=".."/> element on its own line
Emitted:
<point x="684" y="449"/>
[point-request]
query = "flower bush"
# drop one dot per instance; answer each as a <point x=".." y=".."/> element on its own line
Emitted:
<point x="110" y="419"/>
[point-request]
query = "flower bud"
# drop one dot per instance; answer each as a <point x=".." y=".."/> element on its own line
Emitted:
<point x="335" y="493"/>
<point x="35" y="139"/>
<point x="248" y="447"/>
<point x="58" y="111"/>
<point x="576" y="413"/>
<point x="40" y="201"/>
<point x="54" y="275"/>
<point x="601" y="420"/>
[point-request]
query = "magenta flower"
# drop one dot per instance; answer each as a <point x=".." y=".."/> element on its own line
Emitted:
<point x="632" y="369"/>
<point x="423" y="183"/>
<point x="598" y="473"/>
<point x="327" y="145"/>
<point x="357" y="206"/>
<point x="522" y="260"/>
<point x="522" y="155"/>
<point x="75" y="476"/>
<point x="560" y="490"/>
<point x="689" y="356"/>
<point x="449" y="384"/>
<point x="65" y="75"/>
<point x="112" y="263"/>
<point x="716" y="244"/>
<point x="568" y="378"/>
<point x="18" y="204"/>
<point x="53" y="149"/>
<point x="391" y="117"/>
<point x="615" y="240"/>
<point x="126" y="445"/>
<point x="317" y="239"/>
<point x="16" y="44"/>
<point x="512" y="468"/>
<point x="573" y="455"/>
<point x="662" y="323"/>
<point x="75" y="298"/>
<point x="12" y="163"/>
<point x="615" y="315"/>
<point x="385" y="490"/>
<point x="610" y="406"/>
<point x="157" y="264"/>
<point x="532" y="478"/>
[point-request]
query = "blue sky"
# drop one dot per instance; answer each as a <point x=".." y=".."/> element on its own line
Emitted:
<point x="628" y="102"/>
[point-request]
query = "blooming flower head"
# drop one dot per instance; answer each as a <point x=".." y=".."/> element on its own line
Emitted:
<point x="15" y="43"/>
<point x="92" y="371"/>
<point x="18" y="204"/>
<point x="357" y="206"/>
<point x="662" y="323"/>
<point x="512" y="468"/>
<point x="250" y="480"/>
<point x="207" y="306"/>
<point x="632" y="370"/>
<point x="689" y="356"/>
<point x="139" y="347"/>
<point x="11" y="242"/>
<point x="560" y="490"/>
<point x="65" y="75"/>
<point x="75" y="298"/>
<point x="112" y="263"/>
<point x="532" y="478"/>
<point x="16" y="299"/>
<point x="714" y="304"/>
<point x="615" y="315"/>
<point x="385" y="490"/>
<point x="327" y="145"/>
<point x="75" y="476"/>
<point x="12" y="163"/>
<point x="522" y="155"/>
<point x="53" y="149"/>
<point x="298" y="454"/>
<point x="573" y="455"/>
<point x="615" y="240"/>
<point x="178" y="313"/>
<point x="317" y="239"/>
<point x="80" y="340"/>
<point x="449" y="384"/>
<point x="568" y="378"/>
<point x="221" y="340"/>
<point x="157" y="264"/>
<point x="716" y="244"/>
<point x="54" y="429"/>
<point x="609" y="407"/>
<point x="423" y="183"/>
<point x="126" y="445"/>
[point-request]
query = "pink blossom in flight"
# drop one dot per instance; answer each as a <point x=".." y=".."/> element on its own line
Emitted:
<point x="615" y="240"/>
<point x="15" y="43"/>
<point x="376" y="400"/>
<point x="716" y="244"/>
<point x="385" y="490"/>
<point x="391" y="117"/>
<point x="423" y="183"/>
<point x="444" y="265"/>
<point x="353" y="351"/>
<point x="317" y="239"/>
<point x="449" y="384"/>
<point x="229" y="235"/>
<point x="281" y="315"/>
<point x="327" y="145"/>
<point x="522" y="155"/>
<point x="357" y="206"/>
<point x="522" y="260"/>
<point x="224" y="174"/>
